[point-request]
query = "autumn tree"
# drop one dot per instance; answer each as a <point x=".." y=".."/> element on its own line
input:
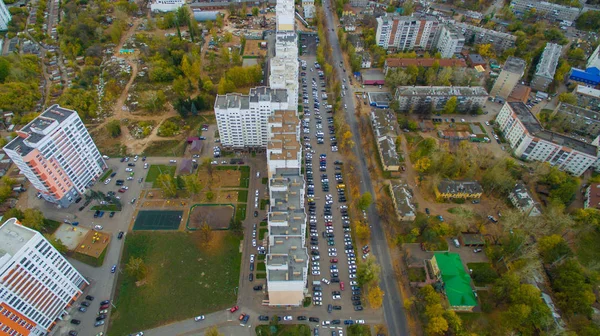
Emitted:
<point x="567" y="97"/>
<point x="422" y="165"/>
<point x="362" y="230"/>
<point x="114" y="128"/>
<point x="365" y="200"/>
<point x="213" y="331"/>
<point x="153" y="101"/>
<point x="451" y="105"/>
<point x="33" y="219"/>
<point x="375" y="297"/>
<point x="368" y="272"/>
<point x="136" y="268"/>
<point x="205" y="233"/>
<point x="192" y="184"/>
<point x="167" y="184"/>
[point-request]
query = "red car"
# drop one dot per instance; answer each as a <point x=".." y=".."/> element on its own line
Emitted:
<point x="329" y="224"/>
<point x="234" y="309"/>
<point x="104" y="307"/>
<point x="341" y="285"/>
<point x="333" y="261"/>
<point x="122" y="190"/>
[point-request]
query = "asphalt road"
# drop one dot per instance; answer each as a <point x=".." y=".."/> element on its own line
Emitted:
<point x="393" y="306"/>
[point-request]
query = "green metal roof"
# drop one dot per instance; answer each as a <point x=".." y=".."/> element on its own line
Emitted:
<point x="456" y="280"/>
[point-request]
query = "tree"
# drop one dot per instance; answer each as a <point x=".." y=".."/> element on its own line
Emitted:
<point x="553" y="248"/>
<point x="362" y="230"/>
<point x="192" y="184"/>
<point x="208" y="85"/>
<point x="4" y="69"/>
<point x="567" y="97"/>
<point x="408" y="7"/>
<point x="225" y="86"/>
<point x="255" y="11"/>
<point x="375" y="297"/>
<point x="136" y="268"/>
<point x="14" y="212"/>
<point x="572" y="288"/>
<point x="57" y="244"/>
<point x="33" y="219"/>
<point x="498" y="179"/>
<point x="154" y="101"/>
<point x="450" y="106"/>
<point x="485" y="50"/>
<point x="114" y="128"/>
<point x="213" y="331"/>
<point x="422" y="165"/>
<point x="365" y="201"/>
<point x="167" y="184"/>
<point x="368" y="272"/>
<point x="168" y="128"/>
<point x="205" y="233"/>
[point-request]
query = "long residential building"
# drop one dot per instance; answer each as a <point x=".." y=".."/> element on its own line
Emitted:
<point x="385" y="130"/>
<point x="407" y="32"/>
<point x="530" y="141"/>
<point x="284" y="149"/>
<point x="57" y="155"/>
<point x="509" y="77"/>
<point x="413" y="97"/>
<point x="450" y="41"/>
<point x="395" y="63"/>
<point x="580" y="120"/>
<point x="5" y="16"/>
<point x="242" y="120"/>
<point x="547" y="10"/>
<point x="402" y="196"/>
<point x="479" y="35"/>
<point x="587" y="97"/>
<point x="546" y="67"/>
<point x="281" y="75"/>
<point x="38" y="283"/>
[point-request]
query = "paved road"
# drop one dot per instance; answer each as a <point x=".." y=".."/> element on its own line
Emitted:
<point x="393" y="306"/>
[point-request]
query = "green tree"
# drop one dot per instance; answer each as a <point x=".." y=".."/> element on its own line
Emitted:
<point x="114" y="128"/>
<point x="192" y="184"/>
<point x="365" y="201"/>
<point x="368" y="272"/>
<point x="567" y="97"/>
<point x="168" y="128"/>
<point x="572" y="288"/>
<point x="208" y="85"/>
<point x="450" y="106"/>
<point x="154" y="101"/>
<point x="553" y="248"/>
<point x="33" y="219"/>
<point x="4" y="69"/>
<point x="136" y="268"/>
<point x="14" y="212"/>
<point x="167" y="184"/>
<point x="255" y="11"/>
<point x="225" y="86"/>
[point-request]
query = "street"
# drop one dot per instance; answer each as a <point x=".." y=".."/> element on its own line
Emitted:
<point x="393" y="302"/>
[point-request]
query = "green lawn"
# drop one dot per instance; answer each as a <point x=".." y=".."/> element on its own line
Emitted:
<point x="50" y="226"/>
<point x="156" y="170"/>
<point x="483" y="273"/>
<point x="265" y="180"/>
<point x="183" y="280"/>
<point x="261" y="257"/>
<point x="261" y="275"/>
<point x="165" y="148"/>
<point x="263" y="204"/>
<point x="262" y="232"/>
<point x="245" y="177"/>
<point x="284" y="330"/>
<point x="263" y="224"/>
<point x="86" y="259"/>
<point x="106" y="175"/>
<point x="107" y="207"/>
<point x="359" y="330"/>
<point x="261" y="267"/>
<point x="242" y="196"/>
<point x="240" y="212"/>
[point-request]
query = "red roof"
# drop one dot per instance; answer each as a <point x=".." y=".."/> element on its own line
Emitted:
<point x="424" y="62"/>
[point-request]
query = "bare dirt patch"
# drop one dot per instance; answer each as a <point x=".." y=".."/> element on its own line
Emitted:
<point x="253" y="48"/>
<point x="93" y="244"/>
<point x="222" y="178"/>
<point x="217" y="216"/>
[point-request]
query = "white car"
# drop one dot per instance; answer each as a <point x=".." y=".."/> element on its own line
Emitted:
<point x="135" y="158"/>
<point x="317" y="299"/>
<point x="326" y="323"/>
<point x="360" y="321"/>
<point x="253" y="242"/>
<point x="325" y="281"/>
<point x="318" y="294"/>
<point x="252" y="258"/>
<point x="333" y="254"/>
<point x="199" y="318"/>
<point x="107" y="181"/>
<point x="256" y="193"/>
<point x="316" y="273"/>
<point x="98" y="227"/>
<point x="145" y="165"/>
<point x="288" y="318"/>
<point x="128" y="170"/>
<point x="337" y="297"/>
<point x="487" y="123"/>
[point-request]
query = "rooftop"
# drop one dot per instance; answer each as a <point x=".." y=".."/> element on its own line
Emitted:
<point x="485" y="31"/>
<point x="13" y="236"/>
<point x="457" y="283"/>
<point x="424" y="62"/>
<point x="589" y="115"/>
<point x="476" y="59"/>
<point x="587" y="91"/>
<point x="549" y="60"/>
<point x="534" y="127"/>
<point x="459" y="186"/>
<point x="522" y="196"/>
<point x="241" y="101"/>
<point x="287" y="259"/>
<point x="403" y="196"/>
<point x="515" y="65"/>
<point x="594" y="196"/>
<point x="441" y="91"/>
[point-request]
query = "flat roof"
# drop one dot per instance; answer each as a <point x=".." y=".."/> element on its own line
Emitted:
<point x="459" y="186"/>
<point x="241" y="101"/>
<point x="588" y="91"/>
<point x="13" y="236"/>
<point x="546" y="67"/>
<point x="403" y="195"/>
<point x="374" y="74"/>
<point x="424" y="62"/>
<point x="441" y="91"/>
<point x="457" y="282"/>
<point x="515" y="65"/>
<point x="522" y="195"/>
<point x="534" y="127"/>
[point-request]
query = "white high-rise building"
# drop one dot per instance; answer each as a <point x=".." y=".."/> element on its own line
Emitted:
<point x="57" y="155"/>
<point x="407" y="32"/>
<point x="243" y="119"/>
<point x="450" y="42"/>
<point x="283" y="67"/>
<point x="38" y="283"/>
<point x="5" y="16"/>
<point x="284" y="10"/>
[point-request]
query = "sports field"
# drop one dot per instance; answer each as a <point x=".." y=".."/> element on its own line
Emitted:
<point x="158" y="220"/>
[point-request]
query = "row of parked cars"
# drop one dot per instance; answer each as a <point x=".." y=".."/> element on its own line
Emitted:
<point x="84" y="307"/>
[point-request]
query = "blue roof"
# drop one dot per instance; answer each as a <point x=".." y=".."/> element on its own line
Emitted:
<point x="589" y="75"/>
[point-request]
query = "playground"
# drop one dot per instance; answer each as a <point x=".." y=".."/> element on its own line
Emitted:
<point x="93" y="244"/>
<point x="217" y="216"/>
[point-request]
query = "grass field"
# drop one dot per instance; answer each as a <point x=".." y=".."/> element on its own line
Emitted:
<point x="106" y="207"/>
<point x="262" y="232"/>
<point x="86" y="259"/>
<point x="284" y="330"/>
<point x="240" y="212"/>
<point x="106" y="175"/>
<point x="165" y="148"/>
<point x="359" y="330"/>
<point x="156" y="170"/>
<point x="242" y="196"/>
<point x="184" y="280"/>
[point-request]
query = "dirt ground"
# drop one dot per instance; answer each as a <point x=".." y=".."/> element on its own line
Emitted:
<point x="253" y="48"/>
<point x="217" y="217"/>
<point x="220" y="197"/>
<point x="93" y="244"/>
<point x="221" y="178"/>
<point x="71" y="236"/>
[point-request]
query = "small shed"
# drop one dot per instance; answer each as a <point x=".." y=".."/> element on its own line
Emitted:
<point x="196" y="146"/>
<point x="191" y="139"/>
<point x="186" y="167"/>
<point x="475" y="59"/>
<point x="471" y="239"/>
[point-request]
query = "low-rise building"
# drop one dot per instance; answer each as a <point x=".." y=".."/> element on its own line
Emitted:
<point x="458" y="189"/>
<point x="372" y="77"/>
<point x="402" y="198"/>
<point x="365" y="59"/>
<point x="356" y="41"/>
<point x="448" y="268"/>
<point x="512" y="71"/>
<point x="546" y="67"/>
<point x="475" y="59"/>
<point x="580" y="120"/>
<point x="592" y="196"/>
<point x="385" y="130"/>
<point x="522" y="200"/>
<point x="479" y="35"/>
<point x="412" y="97"/>
<point x="530" y="141"/>
<point x="348" y="23"/>
<point x="519" y="94"/>
<point x="589" y="76"/>
<point x="166" y="5"/>
<point x="545" y="9"/>
<point x="395" y="63"/>
<point x="587" y="97"/>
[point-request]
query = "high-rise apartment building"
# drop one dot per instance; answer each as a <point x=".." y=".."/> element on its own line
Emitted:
<point x="242" y="120"/>
<point x="5" y="16"/>
<point x="546" y="67"/>
<point x="57" y="155"/>
<point x="530" y="141"/>
<point x="284" y="149"/>
<point x="479" y="35"/>
<point x="38" y="283"/>
<point x="509" y="77"/>
<point x="407" y="32"/>
<point x="283" y="67"/>
<point x="450" y="42"/>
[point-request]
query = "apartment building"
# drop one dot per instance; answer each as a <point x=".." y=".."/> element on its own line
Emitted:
<point x="402" y="198"/>
<point x="359" y="3"/>
<point x="479" y="35"/>
<point x="512" y="72"/>
<point x="456" y="189"/>
<point x="594" y="59"/>
<point x="592" y="196"/>
<point x="394" y="63"/>
<point x="285" y="16"/>
<point x="450" y="42"/>
<point x="407" y="32"/>
<point x="580" y="120"/>
<point x="281" y="75"/>
<point x="38" y="283"/>
<point x="242" y="120"/>
<point x="587" y="97"/>
<point x="546" y="67"/>
<point x="413" y="97"/>
<point x="284" y="149"/>
<point x="5" y="16"/>
<point x="546" y="10"/>
<point x="522" y="200"/>
<point x="166" y="5"/>
<point x="385" y="130"/>
<point x="57" y="155"/>
<point x="530" y="141"/>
